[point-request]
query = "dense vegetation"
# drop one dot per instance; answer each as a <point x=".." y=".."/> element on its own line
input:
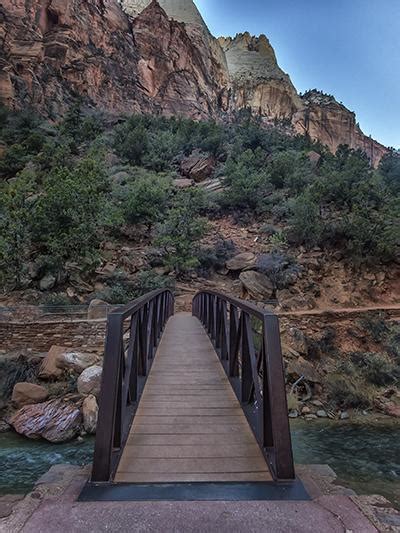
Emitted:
<point x="65" y="188"/>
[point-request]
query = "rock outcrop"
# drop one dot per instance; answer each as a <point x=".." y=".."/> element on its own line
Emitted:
<point x="331" y="123"/>
<point x="146" y="56"/>
<point x="258" y="83"/>
<point x="178" y="68"/>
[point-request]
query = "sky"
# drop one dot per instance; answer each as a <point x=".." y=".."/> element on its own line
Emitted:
<point x="348" y="48"/>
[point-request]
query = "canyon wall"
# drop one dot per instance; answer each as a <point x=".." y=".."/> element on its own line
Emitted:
<point x="154" y="57"/>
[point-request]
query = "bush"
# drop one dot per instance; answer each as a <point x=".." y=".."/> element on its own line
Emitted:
<point x="376" y="368"/>
<point x="67" y="216"/>
<point x="180" y="234"/>
<point x="149" y="280"/>
<point x="306" y="225"/>
<point x="215" y="257"/>
<point x="146" y="200"/>
<point x="281" y="269"/>
<point x="347" y="392"/>
<point x="55" y="303"/>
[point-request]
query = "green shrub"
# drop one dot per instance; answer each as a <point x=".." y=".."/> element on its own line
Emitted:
<point x="348" y="392"/>
<point x="149" y="280"/>
<point x="215" y="257"/>
<point x="146" y="200"/>
<point x="306" y="225"/>
<point x="279" y="268"/>
<point x="376" y="368"/>
<point x="180" y="234"/>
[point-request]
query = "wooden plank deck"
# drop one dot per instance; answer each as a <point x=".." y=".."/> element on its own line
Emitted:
<point x="189" y="425"/>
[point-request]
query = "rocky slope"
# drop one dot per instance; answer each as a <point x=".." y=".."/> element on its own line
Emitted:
<point x="149" y="56"/>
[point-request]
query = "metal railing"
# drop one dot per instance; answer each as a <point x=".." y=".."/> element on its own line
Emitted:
<point x="133" y="334"/>
<point x="247" y="340"/>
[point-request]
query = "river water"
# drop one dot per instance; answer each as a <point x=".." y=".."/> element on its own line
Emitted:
<point x="365" y="457"/>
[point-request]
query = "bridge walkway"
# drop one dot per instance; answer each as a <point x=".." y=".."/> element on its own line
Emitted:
<point x="189" y="425"/>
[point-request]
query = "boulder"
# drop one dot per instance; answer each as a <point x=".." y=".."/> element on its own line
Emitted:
<point x="241" y="261"/>
<point x="198" y="166"/>
<point x="60" y="358"/>
<point x="47" y="282"/>
<point x="97" y="309"/>
<point x="257" y="285"/>
<point x="55" y="420"/>
<point x="300" y="367"/>
<point x="183" y="183"/>
<point x="28" y="393"/>
<point x="89" y="381"/>
<point x="90" y="411"/>
<point x="49" y="368"/>
<point x="77" y="361"/>
<point x="298" y="341"/>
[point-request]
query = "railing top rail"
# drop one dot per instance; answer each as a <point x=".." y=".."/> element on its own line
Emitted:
<point x="131" y="308"/>
<point x="242" y="304"/>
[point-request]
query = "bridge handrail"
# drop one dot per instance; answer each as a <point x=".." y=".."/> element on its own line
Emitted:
<point x="129" y="351"/>
<point x="256" y="373"/>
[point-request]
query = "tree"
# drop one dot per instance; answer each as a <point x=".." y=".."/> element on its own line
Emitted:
<point x="147" y="199"/>
<point x="16" y="215"/>
<point x="390" y="170"/>
<point x="68" y="214"/>
<point x="180" y="234"/>
<point x="306" y="226"/>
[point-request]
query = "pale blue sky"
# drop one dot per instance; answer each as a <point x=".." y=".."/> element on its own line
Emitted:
<point x="349" y="48"/>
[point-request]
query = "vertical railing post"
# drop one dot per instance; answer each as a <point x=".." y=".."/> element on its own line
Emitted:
<point x="276" y="429"/>
<point x="102" y="462"/>
<point x="233" y="341"/>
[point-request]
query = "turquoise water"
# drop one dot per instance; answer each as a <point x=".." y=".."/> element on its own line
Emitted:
<point x="23" y="461"/>
<point x="365" y="457"/>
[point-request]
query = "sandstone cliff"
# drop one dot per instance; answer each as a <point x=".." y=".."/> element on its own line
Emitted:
<point x="257" y="80"/>
<point x="260" y="84"/>
<point x="326" y="120"/>
<point x="157" y="57"/>
<point x="53" y="51"/>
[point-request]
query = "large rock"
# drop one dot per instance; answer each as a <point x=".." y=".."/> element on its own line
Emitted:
<point x="241" y="261"/>
<point x="28" y="393"/>
<point x="257" y="285"/>
<point x="97" y="309"/>
<point x="49" y="368"/>
<point x="55" y="420"/>
<point x="47" y="282"/>
<point x="60" y="358"/>
<point x="89" y="381"/>
<point x="76" y="361"/>
<point x="198" y="166"/>
<point x="90" y="411"/>
<point x="300" y="367"/>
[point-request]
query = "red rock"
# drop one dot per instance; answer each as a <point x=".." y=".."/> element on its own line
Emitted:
<point x="198" y="166"/>
<point x="28" y="393"/>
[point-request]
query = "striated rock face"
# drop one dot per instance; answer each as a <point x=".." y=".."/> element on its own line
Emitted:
<point x="55" y="420"/>
<point x="146" y="56"/>
<point x="53" y="51"/>
<point x="176" y="67"/>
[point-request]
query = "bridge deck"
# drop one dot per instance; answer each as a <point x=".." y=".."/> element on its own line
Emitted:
<point x="189" y="425"/>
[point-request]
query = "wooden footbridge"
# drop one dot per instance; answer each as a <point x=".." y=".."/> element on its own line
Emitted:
<point x="192" y="406"/>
